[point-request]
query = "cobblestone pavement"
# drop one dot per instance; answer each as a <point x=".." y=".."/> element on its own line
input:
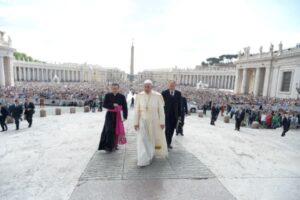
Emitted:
<point x="116" y="176"/>
<point x="121" y="165"/>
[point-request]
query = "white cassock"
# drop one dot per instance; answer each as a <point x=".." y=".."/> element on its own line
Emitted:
<point x="149" y="115"/>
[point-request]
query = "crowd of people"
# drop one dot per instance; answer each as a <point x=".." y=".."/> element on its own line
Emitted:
<point x="17" y="111"/>
<point x="53" y="91"/>
<point x="88" y="91"/>
<point x="269" y="112"/>
<point x="245" y="115"/>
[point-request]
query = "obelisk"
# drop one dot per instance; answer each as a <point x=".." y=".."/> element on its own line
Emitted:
<point x="131" y="78"/>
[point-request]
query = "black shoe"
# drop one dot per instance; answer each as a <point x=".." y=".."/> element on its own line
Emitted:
<point x="170" y="147"/>
<point x="177" y="134"/>
<point x="282" y="135"/>
<point x="181" y="134"/>
<point x="29" y="126"/>
<point x="107" y="150"/>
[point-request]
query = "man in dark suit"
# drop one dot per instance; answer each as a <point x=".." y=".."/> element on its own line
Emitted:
<point x="214" y="114"/>
<point x="239" y="117"/>
<point x="184" y="111"/>
<point x="172" y="108"/>
<point x="29" y="111"/>
<point x="3" y="114"/>
<point x="286" y="122"/>
<point x="16" y="111"/>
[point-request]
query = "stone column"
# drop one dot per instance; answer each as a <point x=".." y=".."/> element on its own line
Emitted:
<point x="21" y="69"/>
<point x="227" y="82"/>
<point x="2" y="76"/>
<point x="64" y="75"/>
<point x="244" y="81"/>
<point x="28" y="74"/>
<point x="15" y="74"/>
<point x="19" y="74"/>
<point x="42" y="75"/>
<point x="256" y="82"/>
<point x="38" y="72"/>
<point x="236" y="81"/>
<point x="233" y="81"/>
<point x="216" y="81"/>
<point x="266" y="82"/>
<point x="46" y="75"/>
<point x="34" y="74"/>
<point x="25" y="73"/>
<point x="69" y="76"/>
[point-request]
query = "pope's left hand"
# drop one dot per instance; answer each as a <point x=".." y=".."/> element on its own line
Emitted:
<point x="162" y="126"/>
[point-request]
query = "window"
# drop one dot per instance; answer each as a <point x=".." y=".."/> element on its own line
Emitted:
<point x="286" y="81"/>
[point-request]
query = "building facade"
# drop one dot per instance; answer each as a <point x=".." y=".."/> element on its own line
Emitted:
<point x="12" y="70"/>
<point x="270" y="74"/>
<point x="218" y="76"/>
<point x="6" y="61"/>
<point x="47" y="72"/>
<point x="275" y="73"/>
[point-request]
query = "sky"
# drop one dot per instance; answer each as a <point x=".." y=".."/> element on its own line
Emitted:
<point x="166" y="33"/>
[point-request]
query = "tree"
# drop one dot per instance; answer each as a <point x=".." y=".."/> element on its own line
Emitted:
<point x="228" y="57"/>
<point x="23" y="56"/>
<point x="213" y="60"/>
<point x="204" y="63"/>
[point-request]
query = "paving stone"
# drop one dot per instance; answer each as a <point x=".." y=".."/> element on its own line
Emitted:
<point x="121" y="165"/>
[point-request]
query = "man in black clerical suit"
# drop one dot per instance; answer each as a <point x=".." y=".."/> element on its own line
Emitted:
<point x="16" y="111"/>
<point x="111" y="100"/>
<point x="214" y="114"/>
<point x="172" y="98"/>
<point x="3" y="114"/>
<point x="29" y="111"/>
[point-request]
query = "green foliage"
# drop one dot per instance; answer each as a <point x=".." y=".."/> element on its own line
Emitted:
<point x="213" y="60"/>
<point x="228" y="56"/>
<point x="204" y="63"/>
<point x="23" y="56"/>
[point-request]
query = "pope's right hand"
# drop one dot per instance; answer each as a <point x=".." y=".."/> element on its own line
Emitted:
<point x="115" y="104"/>
<point x="136" y="127"/>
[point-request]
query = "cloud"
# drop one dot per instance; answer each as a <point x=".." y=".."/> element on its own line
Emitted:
<point x="166" y="32"/>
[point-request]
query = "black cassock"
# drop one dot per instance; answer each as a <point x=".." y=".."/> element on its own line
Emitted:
<point x="108" y="136"/>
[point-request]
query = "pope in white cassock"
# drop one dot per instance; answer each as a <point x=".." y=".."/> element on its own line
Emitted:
<point x="149" y="122"/>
